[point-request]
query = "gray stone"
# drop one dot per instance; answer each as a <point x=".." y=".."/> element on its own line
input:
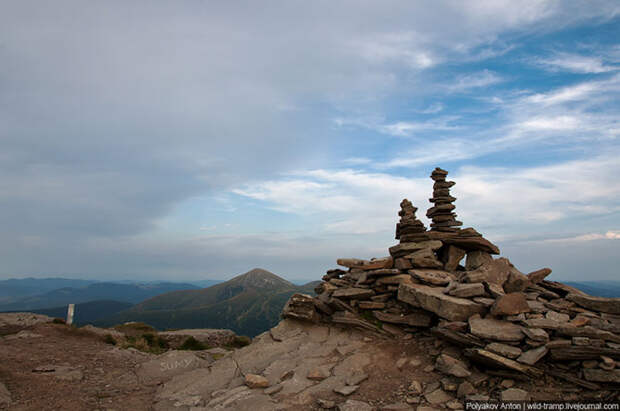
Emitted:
<point x="326" y="404"/>
<point x="545" y="323"/>
<point x="451" y="366"/>
<point x="356" y="378"/>
<point x="515" y="394"/>
<point x="467" y="290"/>
<point x="419" y="319"/>
<point x="432" y="299"/>
<point x="497" y="330"/>
<point x="532" y="356"/>
<point x="504" y="350"/>
<point x="274" y="389"/>
<point x="537" y="276"/>
<point x="319" y="373"/>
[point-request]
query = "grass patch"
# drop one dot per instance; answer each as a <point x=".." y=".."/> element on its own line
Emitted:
<point x="108" y="339"/>
<point x="135" y="329"/>
<point x="193" y="344"/>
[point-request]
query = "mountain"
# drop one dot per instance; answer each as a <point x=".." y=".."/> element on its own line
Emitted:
<point x="247" y="304"/>
<point x="205" y="283"/>
<point x="14" y="289"/>
<point x="87" y="313"/>
<point x="128" y="293"/>
<point x="608" y="289"/>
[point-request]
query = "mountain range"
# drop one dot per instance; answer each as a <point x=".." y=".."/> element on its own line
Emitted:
<point x="247" y="304"/>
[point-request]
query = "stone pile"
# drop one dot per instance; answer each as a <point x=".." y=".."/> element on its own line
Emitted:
<point x="444" y="219"/>
<point x="447" y="283"/>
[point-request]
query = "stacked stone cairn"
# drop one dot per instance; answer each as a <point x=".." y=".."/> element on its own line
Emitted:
<point x="445" y="282"/>
<point x="444" y="219"/>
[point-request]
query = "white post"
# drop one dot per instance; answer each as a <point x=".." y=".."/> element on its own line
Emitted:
<point x="70" y="312"/>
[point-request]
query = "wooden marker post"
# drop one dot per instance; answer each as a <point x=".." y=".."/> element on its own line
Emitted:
<point x="70" y="312"/>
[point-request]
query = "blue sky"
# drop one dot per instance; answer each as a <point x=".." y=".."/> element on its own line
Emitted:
<point x="193" y="139"/>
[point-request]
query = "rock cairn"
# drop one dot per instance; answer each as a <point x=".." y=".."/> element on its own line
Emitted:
<point x="408" y="224"/>
<point x="444" y="219"/>
<point x="447" y="283"/>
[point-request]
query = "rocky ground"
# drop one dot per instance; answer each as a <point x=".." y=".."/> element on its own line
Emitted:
<point x="295" y="365"/>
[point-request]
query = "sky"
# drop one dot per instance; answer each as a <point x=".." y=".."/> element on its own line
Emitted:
<point x="192" y="139"/>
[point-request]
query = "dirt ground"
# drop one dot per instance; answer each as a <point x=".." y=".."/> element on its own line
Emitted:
<point x="96" y="375"/>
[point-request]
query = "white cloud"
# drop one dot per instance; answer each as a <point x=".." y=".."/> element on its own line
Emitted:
<point x="480" y="79"/>
<point x="609" y="235"/>
<point x="575" y="63"/>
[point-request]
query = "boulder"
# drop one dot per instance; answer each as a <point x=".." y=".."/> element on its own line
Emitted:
<point x="497" y="330"/>
<point x="424" y="258"/>
<point x="516" y="282"/>
<point x="418" y="319"/>
<point x="256" y="381"/>
<point x="537" y="276"/>
<point x="301" y="307"/>
<point x="510" y="304"/>
<point x="432" y="299"/>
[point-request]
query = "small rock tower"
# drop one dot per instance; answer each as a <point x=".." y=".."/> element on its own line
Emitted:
<point x="408" y="224"/>
<point x="444" y="219"/>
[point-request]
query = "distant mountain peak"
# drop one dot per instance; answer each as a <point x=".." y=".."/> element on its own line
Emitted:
<point x="260" y="278"/>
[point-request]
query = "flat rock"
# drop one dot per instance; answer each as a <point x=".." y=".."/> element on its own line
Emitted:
<point x="470" y="244"/>
<point x="510" y="304"/>
<point x="504" y="350"/>
<point x="559" y="317"/>
<point x="465" y="388"/>
<point x="353" y="293"/>
<point x="433" y="277"/>
<point x="346" y="389"/>
<point x="532" y="356"/>
<point x="419" y="319"/>
<point x="536" y="334"/>
<point x="515" y="394"/>
<point x="601" y="304"/>
<point x="451" y="366"/>
<point x="319" y="373"/>
<point x="377" y="263"/>
<point x="497" y="330"/>
<point x="393" y="279"/>
<point x="402" y="249"/>
<point x="62" y="372"/>
<point x="467" y="290"/>
<point x="545" y="323"/>
<point x="432" y="299"/>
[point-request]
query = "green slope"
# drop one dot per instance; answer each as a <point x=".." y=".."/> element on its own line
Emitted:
<point x="248" y="304"/>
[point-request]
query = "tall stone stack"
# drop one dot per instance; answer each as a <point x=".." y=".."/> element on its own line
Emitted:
<point x="502" y="319"/>
<point x="408" y="224"/>
<point x="442" y="213"/>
